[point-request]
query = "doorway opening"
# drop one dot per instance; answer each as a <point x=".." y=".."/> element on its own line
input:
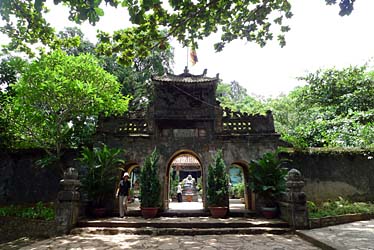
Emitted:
<point x="240" y="198"/>
<point x="134" y="174"/>
<point x="185" y="184"/>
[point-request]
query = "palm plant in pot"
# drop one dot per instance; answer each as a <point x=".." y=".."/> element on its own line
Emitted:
<point x="218" y="187"/>
<point x="150" y="188"/>
<point x="268" y="181"/>
<point x="100" y="166"/>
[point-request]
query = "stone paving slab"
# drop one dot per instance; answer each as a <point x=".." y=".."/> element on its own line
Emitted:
<point x="206" y="242"/>
<point x="356" y="235"/>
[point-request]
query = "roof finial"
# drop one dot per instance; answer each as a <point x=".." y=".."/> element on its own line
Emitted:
<point x="186" y="69"/>
<point x="205" y="71"/>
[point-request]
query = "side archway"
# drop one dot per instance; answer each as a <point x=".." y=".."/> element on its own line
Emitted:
<point x="133" y="169"/>
<point x="248" y="196"/>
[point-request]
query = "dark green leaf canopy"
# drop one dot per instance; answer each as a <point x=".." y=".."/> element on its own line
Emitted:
<point x="188" y="21"/>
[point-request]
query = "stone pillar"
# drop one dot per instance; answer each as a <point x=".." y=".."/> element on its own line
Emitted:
<point x="293" y="202"/>
<point x="67" y="205"/>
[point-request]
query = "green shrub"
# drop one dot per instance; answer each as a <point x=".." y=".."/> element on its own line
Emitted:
<point x="174" y="182"/>
<point x="239" y="190"/>
<point x="218" y="182"/>
<point x="150" y="187"/>
<point x="338" y="207"/>
<point x="39" y="211"/>
<point x="102" y="165"/>
<point x="268" y="176"/>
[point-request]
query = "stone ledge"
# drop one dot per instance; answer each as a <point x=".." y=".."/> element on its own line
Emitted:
<point x="339" y="219"/>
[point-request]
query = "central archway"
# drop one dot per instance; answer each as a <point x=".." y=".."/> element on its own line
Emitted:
<point x="184" y="168"/>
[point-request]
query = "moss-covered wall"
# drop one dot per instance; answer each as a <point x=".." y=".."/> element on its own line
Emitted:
<point x="330" y="173"/>
<point x="22" y="181"/>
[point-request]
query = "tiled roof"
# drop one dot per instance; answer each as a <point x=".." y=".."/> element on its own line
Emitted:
<point x="185" y="77"/>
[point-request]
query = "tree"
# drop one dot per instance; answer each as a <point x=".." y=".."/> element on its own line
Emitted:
<point x="78" y="43"/>
<point x="334" y="109"/>
<point x="135" y="79"/>
<point x="235" y="97"/>
<point x="56" y="97"/>
<point x="187" y="21"/>
<point x="10" y="70"/>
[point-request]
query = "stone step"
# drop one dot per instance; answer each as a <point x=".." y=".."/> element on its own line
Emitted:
<point x="187" y="223"/>
<point x="179" y="231"/>
<point x="193" y="213"/>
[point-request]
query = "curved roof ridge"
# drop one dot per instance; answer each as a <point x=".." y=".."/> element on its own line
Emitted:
<point x="185" y="77"/>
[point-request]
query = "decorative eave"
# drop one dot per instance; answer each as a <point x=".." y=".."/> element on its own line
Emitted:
<point x="185" y="77"/>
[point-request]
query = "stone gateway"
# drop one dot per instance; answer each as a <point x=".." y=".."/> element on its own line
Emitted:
<point x="185" y="118"/>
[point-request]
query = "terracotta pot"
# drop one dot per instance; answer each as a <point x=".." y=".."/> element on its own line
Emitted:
<point x="189" y="198"/>
<point x="149" y="212"/>
<point x="269" y="212"/>
<point x="218" y="212"/>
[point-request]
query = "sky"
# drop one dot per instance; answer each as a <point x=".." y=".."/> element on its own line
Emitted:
<point x="319" y="38"/>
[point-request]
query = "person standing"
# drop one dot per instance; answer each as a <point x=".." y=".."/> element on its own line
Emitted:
<point x="179" y="193"/>
<point x="123" y="194"/>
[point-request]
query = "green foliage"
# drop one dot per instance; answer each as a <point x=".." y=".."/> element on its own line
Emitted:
<point x="238" y="190"/>
<point x="344" y="91"/>
<point x="135" y="79"/>
<point x="338" y="207"/>
<point x="10" y="69"/>
<point x="57" y="100"/>
<point x="334" y="109"/>
<point x="218" y="182"/>
<point x="150" y="188"/>
<point x="235" y="97"/>
<point x="39" y="211"/>
<point x="267" y="176"/>
<point x="186" y="21"/>
<point x="101" y="165"/>
<point x="174" y="181"/>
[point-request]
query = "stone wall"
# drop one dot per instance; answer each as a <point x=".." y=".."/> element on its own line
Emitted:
<point x="328" y="174"/>
<point x="332" y="173"/>
<point x="12" y="228"/>
<point x="21" y="181"/>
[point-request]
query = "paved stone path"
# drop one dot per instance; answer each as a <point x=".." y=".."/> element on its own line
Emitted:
<point x="206" y="242"/>
<point x="356" y="235"/>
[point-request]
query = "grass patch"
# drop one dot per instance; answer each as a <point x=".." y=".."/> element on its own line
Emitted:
<point x="338" y="207"/>
<point x="38" y="211"/>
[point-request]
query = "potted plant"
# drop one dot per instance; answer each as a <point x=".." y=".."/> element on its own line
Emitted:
<point x="100" y="165"/>
<point x="268" y="181"/>
<point x="150" y="188"/>
<point x="218" y="187"/>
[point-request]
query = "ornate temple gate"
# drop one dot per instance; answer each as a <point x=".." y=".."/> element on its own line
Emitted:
<point x="185" y="116"/>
